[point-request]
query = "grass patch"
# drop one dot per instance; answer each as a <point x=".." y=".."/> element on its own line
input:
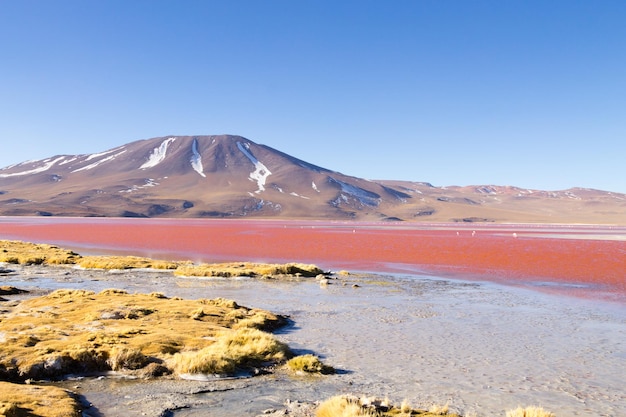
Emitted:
<point x="18" y="400"/>
<point x="79" y="331"/>
<point x="247" y="269"/>
<point x="351" y="406"/>
<point x="24" y="253"/>
<point x="343" y="406"/>
<point x="309" y="364"/>
<point x="239" y="349"/>
<point x="123" y="262"/>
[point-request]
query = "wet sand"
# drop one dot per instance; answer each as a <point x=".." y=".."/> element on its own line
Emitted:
<point x="479" y="346"/>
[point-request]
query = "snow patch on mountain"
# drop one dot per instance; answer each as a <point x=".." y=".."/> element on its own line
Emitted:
<point x="298" y="195"/>
<point x="196" y="159"/>
<point x="95" y="164"/>
<point x="67" y="161"/>
<point x="365" y="197"/>
<point x="158" y="154"/>
<point x="46" y="166"/>
<point x="148" y="182"/>
<point x="97" y="155"/>
<point x="314" y="186"/>
<point x="260" y="173"/>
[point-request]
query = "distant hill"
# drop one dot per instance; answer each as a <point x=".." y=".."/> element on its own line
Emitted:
<point x="228" y="176"/>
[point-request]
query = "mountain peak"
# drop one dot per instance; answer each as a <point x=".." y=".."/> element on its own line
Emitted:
<point x="231" y="176"/>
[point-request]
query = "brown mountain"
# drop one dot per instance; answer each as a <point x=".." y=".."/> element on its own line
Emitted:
<point x="230" y="176"/>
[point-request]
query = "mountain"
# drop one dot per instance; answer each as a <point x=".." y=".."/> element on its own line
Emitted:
<point x="229" y="176"/>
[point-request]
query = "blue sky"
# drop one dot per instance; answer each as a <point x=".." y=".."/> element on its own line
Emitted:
<point x="526" y="93"/>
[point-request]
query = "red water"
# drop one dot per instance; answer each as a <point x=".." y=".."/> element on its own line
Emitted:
<point x="578" y="260"/>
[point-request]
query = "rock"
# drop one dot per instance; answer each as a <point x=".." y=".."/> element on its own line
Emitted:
<point x="7" y="290"/>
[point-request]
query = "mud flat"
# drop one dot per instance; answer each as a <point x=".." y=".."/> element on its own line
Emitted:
<point x="482" y="348"/>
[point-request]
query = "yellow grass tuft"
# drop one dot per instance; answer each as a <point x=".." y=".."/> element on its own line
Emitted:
<point x="17" y="252"/>
<point x="529" y="412"/>
<point x="123" y="358"/>
<point x="232" y="350"/>
<point x="123" y="262"/>
<point x="309" y="364"/>
<point x="405" y="407"/>
<point x="203" y="361"/>
<point x="25" y="253"/>
<point x="246" y="269"/>
<point x="29" y="400"/>
<point x="439" y="410"/>
<point x="350" y="406"/>
<point x="343" y="406"/>
<point x="78" y="331"/>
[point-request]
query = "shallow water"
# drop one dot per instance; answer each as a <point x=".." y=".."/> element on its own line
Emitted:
<point x="481" y="347"/>
<point x="592" y="257"/>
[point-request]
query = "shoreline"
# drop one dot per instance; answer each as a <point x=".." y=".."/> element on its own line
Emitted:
<point x="408" y="319"/>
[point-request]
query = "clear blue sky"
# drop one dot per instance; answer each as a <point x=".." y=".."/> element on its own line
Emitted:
<point x="526" y="93"/>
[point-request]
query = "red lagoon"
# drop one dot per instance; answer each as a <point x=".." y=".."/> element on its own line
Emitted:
<point x="575" y="259"/>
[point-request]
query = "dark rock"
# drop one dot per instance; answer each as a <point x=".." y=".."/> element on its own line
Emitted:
<point x="426" y="211"/>
<point x="158" y="209"/>
<point x="473" y="220"/>
<point x="127" y="213"/>
<point x="6" y="290"/>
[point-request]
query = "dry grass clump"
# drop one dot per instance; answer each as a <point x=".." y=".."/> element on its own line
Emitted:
<point x="36" y="401"/>
<point x="16" y="252"/>
<point x="343" y="406"/>
<point x="309" y="364"/>
<point x="123" y="358"/>
<point x="123" y="262"/>
<point x="529" y="412"/>
<point x="79" y="331"/>
<point x="239" y="349"/>
<point x="350" y="406"/>
<point x="246" y="269"/>
<point x="24" y="253"/>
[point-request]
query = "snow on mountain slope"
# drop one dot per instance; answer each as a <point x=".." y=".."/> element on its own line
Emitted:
<point x="260" y="172"/>
<point x="46" y="165"/>
<point x="158" y="155"/>
<point x="196" y="159"/>
<point x="99" y="161"/>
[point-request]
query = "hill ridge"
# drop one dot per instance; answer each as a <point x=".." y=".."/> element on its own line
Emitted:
<point x="232" y="176"/>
